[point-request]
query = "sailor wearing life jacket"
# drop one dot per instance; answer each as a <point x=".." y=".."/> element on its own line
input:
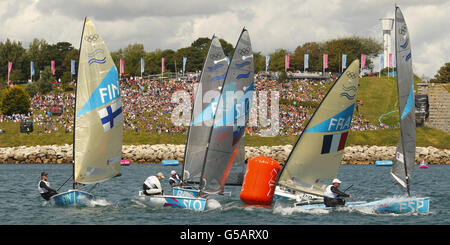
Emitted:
<point x="333" y="196"/>
<point x="44" y="187"/>
<point x="174" y="179"/>
<point x="152" y="186"/>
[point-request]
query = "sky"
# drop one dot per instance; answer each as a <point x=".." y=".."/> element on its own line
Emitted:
<point x="272" y="24"/>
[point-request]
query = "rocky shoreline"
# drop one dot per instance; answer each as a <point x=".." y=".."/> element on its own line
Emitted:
<point x="148" y="154"/>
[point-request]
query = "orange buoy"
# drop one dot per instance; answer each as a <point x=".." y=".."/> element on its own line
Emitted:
<point x="259" y="180"/>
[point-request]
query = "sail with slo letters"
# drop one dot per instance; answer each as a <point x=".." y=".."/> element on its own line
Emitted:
<point x="406" y="148"/>
<point x="205" y="105"/>
<point x="315" y="159"/>
<point x="98" y="112"/>
<point x="231" y="117"/>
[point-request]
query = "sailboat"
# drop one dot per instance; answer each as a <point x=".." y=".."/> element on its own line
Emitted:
<point x="98" y="119"/>
<point x="316" y="157"/>
<point x="228" y="123"/>
<point x="211" y="82"/>
<point x="404" y="159"/>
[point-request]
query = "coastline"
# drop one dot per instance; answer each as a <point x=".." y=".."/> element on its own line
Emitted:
<point x="154" y="154"/>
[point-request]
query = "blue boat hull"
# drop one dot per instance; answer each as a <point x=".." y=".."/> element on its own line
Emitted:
<point x="170" y="163"/>
<point x="413" y="205"/>
<point x="72" y="197"/>
<point x="190" y="203"/>
<point x="383" y="163"/>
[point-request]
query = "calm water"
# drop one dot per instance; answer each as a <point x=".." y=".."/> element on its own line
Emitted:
<point x="21" y="203"/>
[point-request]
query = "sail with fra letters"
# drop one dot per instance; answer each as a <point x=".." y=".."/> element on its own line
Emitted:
<point x="98" y="117"/>
<point x="316" y="157"/>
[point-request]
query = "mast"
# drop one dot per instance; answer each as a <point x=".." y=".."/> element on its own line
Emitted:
<point x="75" y="108"/>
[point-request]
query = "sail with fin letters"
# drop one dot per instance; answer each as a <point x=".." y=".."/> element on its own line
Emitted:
<point x="98" y="112"/>
<point x="316" y="157"/>
<point x="404" y="160"/>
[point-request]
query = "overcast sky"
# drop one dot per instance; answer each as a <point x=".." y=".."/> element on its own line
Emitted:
<point x="174" y="24"/>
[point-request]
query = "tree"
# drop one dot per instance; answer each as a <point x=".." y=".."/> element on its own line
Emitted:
<point x="45" y="83"/>
<point x="15" y="101"/>
<point x="443" y="75"/>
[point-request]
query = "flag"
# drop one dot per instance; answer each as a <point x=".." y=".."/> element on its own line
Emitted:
<point x="363" y="61"/>
<point x="267" y="62"/>
<point x="184" y="64"/>
<point x="390" y="60"/>
<point x="325" y="61"/>
<point x="122" y="66"/>
<point x="306" y="61"/>
<point x="111" y="115"/>
<point x="53" y="67"/>
<point x="9" y="68"/>
<point x="162" y="65"/>
<point x="381" y="62"/>
<point x="72" y="67"/>
<point x="333" y="142"/>
<point x="142" y="65"/>
<point x="286" y="62"/>
<point x="32" y="68"/>
<point x="344" y="61"/>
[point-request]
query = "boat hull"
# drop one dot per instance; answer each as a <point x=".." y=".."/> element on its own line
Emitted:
<point x="280" y="194"/>
<point x="383" y="163"/>
<point x="158" y="201"/>
<point x="413" y="205"/>
<point x="170" y="163"/>
<point x="182" y="192"/>
<point x="72" y="197"/>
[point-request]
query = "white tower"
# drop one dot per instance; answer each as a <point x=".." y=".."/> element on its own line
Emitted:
<point x="386" y="25"/>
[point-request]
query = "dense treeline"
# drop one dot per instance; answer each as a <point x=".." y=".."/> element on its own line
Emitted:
<point x="41" y="53"/>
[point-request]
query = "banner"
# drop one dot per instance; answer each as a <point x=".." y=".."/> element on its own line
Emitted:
<point x="381" y="62"/>
<point x="390" y="60"/>
<point x="9" y="68"/>
<point x="32" y="68"/>
<point x="142" y="65"/>
<point x="53" y="67"/>
<point x="325" y="61"/>
<point x="363" y="61"/>
<point x="122" y="66"/>
<point x="162" y="65"/>
<point x="72" y="67"/>
<point x="306" y="61"/>
<point x="286" y="62"/>
<point x="344" y="61"/>
<point x="184" y="64"/>
<point x="267" y="62"/>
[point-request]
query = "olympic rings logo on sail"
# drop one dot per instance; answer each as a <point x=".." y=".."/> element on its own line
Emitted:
<point x="402" y="30"/>
<point x="352" y="75"/>
<point x="244" y="51"/>
<point x="91" y="38"/>
<point x="215" y="56"/>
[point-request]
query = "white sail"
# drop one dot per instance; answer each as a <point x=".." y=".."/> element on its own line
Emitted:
<point x="315" y="159"/>
<point x="98" y="118"/>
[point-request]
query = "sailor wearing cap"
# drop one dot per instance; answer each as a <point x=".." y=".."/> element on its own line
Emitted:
<point x="44" y="187"/>
<point x="152" y="186"/>
<point x="333" y="196"/>
<point x="174" y="179"/>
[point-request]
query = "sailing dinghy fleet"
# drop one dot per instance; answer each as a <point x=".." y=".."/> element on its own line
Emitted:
<point x="214" y="151"/>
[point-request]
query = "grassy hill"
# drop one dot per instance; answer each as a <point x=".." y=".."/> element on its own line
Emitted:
<point x="379" y="96"/>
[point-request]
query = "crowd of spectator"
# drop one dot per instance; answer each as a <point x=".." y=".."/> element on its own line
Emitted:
<point x="147" y="106"/>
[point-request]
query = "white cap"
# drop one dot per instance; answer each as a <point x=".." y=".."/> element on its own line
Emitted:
<point x="173" y="172"/>
<point x="336" y="181"/>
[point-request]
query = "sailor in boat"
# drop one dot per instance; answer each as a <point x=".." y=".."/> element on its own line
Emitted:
<point x="44" y="187"/>
<point x="174" y="179"/>
<point x="333" y="196"/>
<point x="152" y="185"/>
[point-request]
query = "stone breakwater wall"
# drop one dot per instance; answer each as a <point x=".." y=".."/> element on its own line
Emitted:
<point x="58" y="154"/>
